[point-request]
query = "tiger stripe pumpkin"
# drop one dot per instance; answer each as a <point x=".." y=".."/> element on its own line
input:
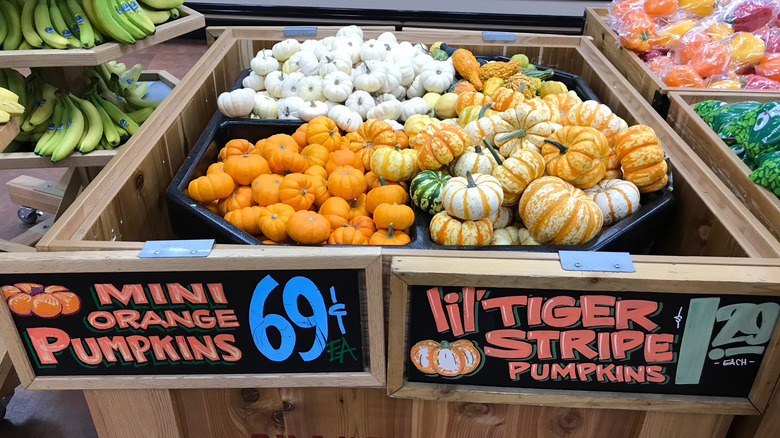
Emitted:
<point x="474" y="197"/>
<point x="615" y="197"/>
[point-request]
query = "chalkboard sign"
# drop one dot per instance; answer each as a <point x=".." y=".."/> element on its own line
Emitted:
<point x="505" y="332"/>
<point x="602" y="341"/>
<point x="249" y="322"/>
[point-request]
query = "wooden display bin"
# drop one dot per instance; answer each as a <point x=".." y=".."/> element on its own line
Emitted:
<point x="713" y="246"/>
<point x="649" y="85"/>
<point x="764" y="204"/>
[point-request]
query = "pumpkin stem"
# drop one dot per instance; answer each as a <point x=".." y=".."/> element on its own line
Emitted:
<point x="381" y="181"/>
<point x="514" y="134"/>
<point x="521" y="87"/>
<point x="36" y="290"/>
<point x="390" y="231"/>
<point x="478" y="148"/>
<point x="484" y="109"/>
<point x="561" y="147"/>
<point x="493" y="152"/>
<point x="470" y="180"/>
<point x="311" y="104"/>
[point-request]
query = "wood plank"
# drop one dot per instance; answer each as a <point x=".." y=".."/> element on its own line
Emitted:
<point x="764" y="204"/>
<point x="30" y="160"/>
<point x="35" y="193"/>
<point x="33" y="235"/>
<point x="679" y="425"/>
<point x="8" y="377"/>
<point x="228" y="413"/>
<point x="8" y="246"/>
<point x="188" y="21"/>
<point x="8" y="132"/>
<point x="147" y="413"/>
<point x="765" y="425"/>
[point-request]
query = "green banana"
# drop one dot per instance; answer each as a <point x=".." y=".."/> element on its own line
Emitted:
<point x="24" y="45"/>
<point x="3" y="27"/>
<point x="46" y="108"/>
<point x="34" y="99"/>
<point x="86" y="32"/>
<point x="89" y="9"/>
<point x="105" y="16"/>
<point x="13" y="18"/>
<point x="141" y="103"/>
<point x="140" y="116"/>
<point x="130" y="77"/>
<point x="51" y="128"/>
<point x="109" y="129"/>
<point x="119" y="117"/>
<point x="69" y="17"/>
<point x="115" y="99"/>
<point x="19" y="4"/>
<point x="162" y="4"/>
<point x="16" y="84"/>
<point x="157" y="17"/>
<point x="99" y="39"/>
<point x="122" y="19"/>
<point x="174" y="13"/>
<point x="60" y="25"/>
<point x="138" y="90"/>
<point x="137" y="16"/>
<point x="117" y="68"/>
<point x="94" y="131"/>
<point x="73" y="132"/>
<point x="4" y="82"/>
<point x="45" y="29"/>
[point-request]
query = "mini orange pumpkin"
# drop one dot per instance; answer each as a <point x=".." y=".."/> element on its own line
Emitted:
<point x="346" y="235"/>
<point x="336" y="211"/>
<point x="316" y="154"/>
<point x="237" y="146"/>
<point x="245" y="168"/>
<point x="373" y="181"/>
<point x="240" y="198"/>
<point x="273" y="221"/>
<point x="343" y="158"/>
<point x="319" y="186"/>
<point x="504" y="98"/>
<point x="246" y="219"/>
<point x="278" y="142"/>
<point x="265" y="189"/>
<point x="295" y="190"/>
<point x="392" y="194"/>
<point x="399" y="216"/>
<point x="308" y="227"/>
<point x="323" y="130"/>
<point x="401" y="139"/>
<point x="300" y="135"/>
<point x="346" y="182"/>
<point x="219" y="166"/>
<point x="357" y="206"/>
<point x="211" y="187"/>
<point x="20" y="304"/>
<point x="316" y="171"/>
<point x="286" y="161"/>
<point x="389" y="236"/>
<point x="364" y="224"/>
<point x="46" y="306"/>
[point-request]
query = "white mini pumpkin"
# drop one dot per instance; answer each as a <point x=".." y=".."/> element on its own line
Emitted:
<point x="308" y="63"/>
<point x="360" y="102"/>
<point x="415" y="89"/>
<point x="350" y="31"/>
<point x="329" y="64"/>
<point x="236" y="103"/>
<point x="348" y="47"/>
<point x="390" y="109"/>
<point x="421" y="61"/>
<point x="310" y="88"/>
<point x="406" y="67"/>
<point x="264" y="63"/>
<point x="393" y="77"/>
<point x="616" y="199"/>
<point x="289" y="106"/>
<point x="315" y="47"/>
<point x="369" y="76"/>
<point x="345" y="118"/>
<point x="254" y="81"/>
<point x="310" y="110"/>
<point x="265" y="107"/>
<point x="384" y="98"/>
<point x="437" y="76"/>
<point x="394" y="124"/>
<point x="291" y="65"/>
<point x="283" y="50"/>
<point x="290" y="84"/>
<point x="505" y="236"/>
<point x="387" y="37"/>
<point x="399" y="92"/>
<point x="273" y="83"/>
<point x="502" y="218"/>
<point x="415" y="105"/>
<point x="337" y="86"/>
<point x="373" y="50"/>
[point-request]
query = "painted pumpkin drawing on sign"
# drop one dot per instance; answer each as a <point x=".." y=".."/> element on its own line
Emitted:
<point x="448" y="359"/>
<point x="27" y="299"/>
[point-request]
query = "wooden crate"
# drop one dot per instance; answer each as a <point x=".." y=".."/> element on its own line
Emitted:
<point x="649" y="85"/>
<point x="7" y="132"/>
<point x="764" y="204"/>
<point x="188" y="21"/>
<point x="127" y="207"/>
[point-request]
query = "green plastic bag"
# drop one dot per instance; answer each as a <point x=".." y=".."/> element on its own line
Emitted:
<point x="730" y="119"/>
<point x="705" y="108"/>
<point x="764" y="134"/>
<point x="768" y="172"/>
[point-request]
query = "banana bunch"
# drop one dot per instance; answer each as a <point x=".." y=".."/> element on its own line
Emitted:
<point x="13" y="94"/>
<point x="58" y="123"/>
<point x="62" y="24"/>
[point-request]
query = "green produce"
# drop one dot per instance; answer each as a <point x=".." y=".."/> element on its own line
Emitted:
<point x="768" y="172"/>
<point x="426" y="190"/>
<point x="706" y="107"/>
<point x="764" y="134"/>
<point x="521" y="59"/>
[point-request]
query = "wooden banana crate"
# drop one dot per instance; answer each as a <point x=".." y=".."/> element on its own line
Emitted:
<point x="649" y="85"/>
<point x="29" y="160"/>
<point x="7" y="132"/>
<point x="764" y="204"/>
<point x="127" y="207"/>
<point x="188" y="21"/>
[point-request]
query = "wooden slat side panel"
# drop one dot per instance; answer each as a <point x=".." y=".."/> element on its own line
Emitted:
<point x="723" y="162"/>
<point x="765" y="425"/>
<point x="122" y="413"/>
<point x="227" y="413"/>
<point x="673" y="425"/>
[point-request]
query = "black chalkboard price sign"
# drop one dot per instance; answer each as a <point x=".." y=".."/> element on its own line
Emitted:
<point x="246" y="322"/>
<point x="486" y="331"/>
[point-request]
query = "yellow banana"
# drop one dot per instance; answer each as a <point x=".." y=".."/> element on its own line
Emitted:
<point x="73" y="132"/>
<point x="46" y="107"/>
<point x="94" y="131"/>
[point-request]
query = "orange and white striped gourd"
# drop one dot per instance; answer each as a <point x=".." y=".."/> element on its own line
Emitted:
<point x="616" y="198"/>
<point x="448" y="230"/>
<point x="522" y="127"/>
<point x="474" y="197"/>
<point x="598" y="116"/>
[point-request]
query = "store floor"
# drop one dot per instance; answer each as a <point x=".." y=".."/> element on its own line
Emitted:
<point x="64" y="414"/>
